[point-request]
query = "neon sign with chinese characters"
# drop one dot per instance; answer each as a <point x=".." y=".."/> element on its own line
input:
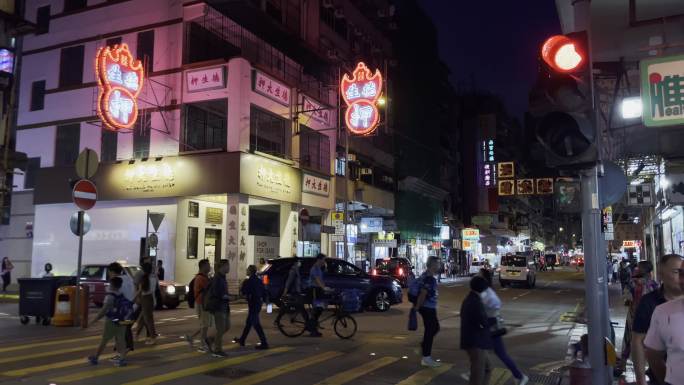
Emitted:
<point x="361" y="92"/>
<point x="120" y="80"/>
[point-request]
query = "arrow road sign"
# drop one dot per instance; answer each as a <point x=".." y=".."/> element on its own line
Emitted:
<point x="85" y="194"/>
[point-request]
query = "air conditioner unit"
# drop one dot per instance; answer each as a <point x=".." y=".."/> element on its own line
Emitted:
<point x="339" y="14"/>
<point x="366" y="171"/>
<point x="328" y="3"/>
<point x="333" y="54"/>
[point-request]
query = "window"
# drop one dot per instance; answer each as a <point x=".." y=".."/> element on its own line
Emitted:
<point x="31" y="170"/>
<point x="145" y="50"/>
<point x="71" y="66"/>
<point x="37" y="95"/>
<point x="43" y="20"/>
<point x="193" y="209"/>
<point x="264" y="220"/>
<point x="68" y="140"/>
<point x="141" y="136"/>
<point x="113" y="41"/>
<point x="203" y="45"/>
<point x="269" y="133"/>
<point x="74" y="5"/>
<point x="341" y="268"/>
<point x="109" y="145"/>
<point x="340" y="166"/>
<point x="205" y="126"/>
<point x="314" y="150"/>
<point x="192" y="242"/>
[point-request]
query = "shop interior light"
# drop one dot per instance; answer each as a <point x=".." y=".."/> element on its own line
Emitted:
<point x="631" y="107"/>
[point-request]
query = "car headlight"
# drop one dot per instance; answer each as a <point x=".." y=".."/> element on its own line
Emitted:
<point x="171" y="290"/>
<point x="187" y="289"/>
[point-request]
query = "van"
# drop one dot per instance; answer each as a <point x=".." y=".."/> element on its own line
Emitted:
<point x="517" y="268"/>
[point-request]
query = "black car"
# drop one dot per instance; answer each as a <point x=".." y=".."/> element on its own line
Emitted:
<point x="397" y="268"/>
<point x="380" y="292"/>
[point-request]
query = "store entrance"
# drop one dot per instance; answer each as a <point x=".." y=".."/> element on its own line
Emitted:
<point x="212" y="245"/>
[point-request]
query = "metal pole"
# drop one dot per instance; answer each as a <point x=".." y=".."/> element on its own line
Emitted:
<point x="596" y="295"/>
<point x="147" y="234"/>
<point x="346" y="193"/>
<point x="77" y="301"/>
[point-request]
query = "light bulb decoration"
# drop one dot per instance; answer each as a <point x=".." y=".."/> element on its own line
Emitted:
<point x="119" y="80"/>
<point x="361" y="92"/>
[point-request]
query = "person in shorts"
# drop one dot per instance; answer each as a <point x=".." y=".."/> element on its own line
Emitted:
<point x="206" y="319"/>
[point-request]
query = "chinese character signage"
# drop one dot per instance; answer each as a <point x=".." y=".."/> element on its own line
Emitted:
<point x="488" y="150"/>
<point x="371" y="225"/>
<point x="206" y="79"/>
<point x="629" y="244"/>
<point x="120" y="80"/>
<point x="506" y="187"/>
<point x="607" y="224"/>
<point x="506" y="170"/>
<point x="361" y="93"/>
<point x="525" y="186"/>
<point x="662" y="91"/>
<point x="315" y="185"/>
<point x="315" y="111"/>
<point x="270" y="88"/>
<point x="489" y="174"/>
<point x="467" y="245"/>
<point x="544" y="186"/>
<point x="471" y="234"/>
<point x="268" y="178"/>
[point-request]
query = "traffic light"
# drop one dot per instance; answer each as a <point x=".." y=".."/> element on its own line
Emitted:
<point x="562" y="104"/>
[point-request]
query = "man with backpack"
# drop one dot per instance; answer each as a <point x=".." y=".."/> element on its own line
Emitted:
<point x="128" y="290"/>
<point x="119" y="311"/>
<point x="216" y="301"/>
<point x="198" y="287"/>
<point x="255" y="292"/>
<point x="423" y="294"/>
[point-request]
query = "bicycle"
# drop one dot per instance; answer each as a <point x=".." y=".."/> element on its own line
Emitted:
<point x="293" y="318"/>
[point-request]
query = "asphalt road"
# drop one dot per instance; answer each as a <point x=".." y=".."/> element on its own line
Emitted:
<point x="382" y="352"/>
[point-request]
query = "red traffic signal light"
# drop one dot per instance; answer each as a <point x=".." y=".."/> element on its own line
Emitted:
<point x="563" y="54"/>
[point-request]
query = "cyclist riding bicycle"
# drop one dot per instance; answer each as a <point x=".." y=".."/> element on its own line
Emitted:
<point x="317" y="290"/>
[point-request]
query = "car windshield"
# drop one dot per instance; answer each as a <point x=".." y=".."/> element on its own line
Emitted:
<point x="513" y="260"/>
<point x="93" y="272"/>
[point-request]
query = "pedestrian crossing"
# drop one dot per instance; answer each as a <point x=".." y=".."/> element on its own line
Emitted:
<point x="62" y="361"/>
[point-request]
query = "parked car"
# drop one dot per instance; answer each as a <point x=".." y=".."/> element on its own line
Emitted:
<point x="476" y="266"/>
<point x="517" y="269"/>
<point x="380" y="292"/>
<point x="96" y="277"/>
<point x="397" y="268"/>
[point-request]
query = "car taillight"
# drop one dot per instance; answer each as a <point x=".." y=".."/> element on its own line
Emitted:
<point x="265" y="279"/>
<point x="401" y="271"/>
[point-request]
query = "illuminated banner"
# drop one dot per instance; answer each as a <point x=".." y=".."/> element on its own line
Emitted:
<point x="506" y="187"/>
<point x="506" y="170"/>
<point x="544" y="186"/>
<point x="361" y="93"/>
<point x="525" y="186"/>
<point x="662" y="90"/>
<point x="120" y="80"/>
<point x="471" y="234"/>
<point x="629" y="244"/>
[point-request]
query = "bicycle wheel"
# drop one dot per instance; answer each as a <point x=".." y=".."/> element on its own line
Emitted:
<point x="292" y="323"/>
<point x="345" y="326"/>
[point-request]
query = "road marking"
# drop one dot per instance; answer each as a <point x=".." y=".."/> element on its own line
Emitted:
<point x="280" y="370"/>
<point x="499" y="376"/>
<point x="549" y="367"/>
<point x="221" y="363"/>
<point x="81" y="361"/>
<point x="106" y="371"/>
<point x="521" y="295"/>
<point x="352" y="374"/>
<point x="425" y="376"/>
<point x="48" y="343"/>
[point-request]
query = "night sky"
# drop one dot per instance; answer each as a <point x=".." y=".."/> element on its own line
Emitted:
<point x="494" y="43"/>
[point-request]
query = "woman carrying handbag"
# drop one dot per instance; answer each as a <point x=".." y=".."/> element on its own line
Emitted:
<point x="492" y="305"/>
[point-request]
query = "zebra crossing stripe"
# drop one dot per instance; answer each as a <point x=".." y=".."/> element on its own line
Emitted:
<point x="352" y="374"/>
<point x="424" y="376"/>
<point x="280" y="370"/>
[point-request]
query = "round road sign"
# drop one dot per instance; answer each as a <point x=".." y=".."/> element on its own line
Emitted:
<point x="152" y="240"/>
<point x="85" y="194"/>
<point x="87" y="163"/>
<point x="73" y="223"/>
<point x="304" y="216"/>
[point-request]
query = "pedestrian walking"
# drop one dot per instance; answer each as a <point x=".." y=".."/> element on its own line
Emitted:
<point x="160" y="270"/>
<point x="665" y="339"/>
<point x="475" y="336"/>
<point x="6" y="273"/>
<point x="424" y="290"/>
<point x="492" y="305"/>
<point x="668" y="272"/>
<point x="625" y="275"/>
<point x="217" y="301"/>
<point x="200" y="284"/>
<point x="255" y="292"/>
<point x="157" y="289"/>
<point x="115" y="307"/>
<point x="128" y="290"/>
<point x="146" y="285"/>
<point x="293" y="285"/>
<point x="616" y="268"/>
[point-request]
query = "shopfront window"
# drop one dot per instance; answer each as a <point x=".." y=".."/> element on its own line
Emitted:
<point x="264" y="220"/>
<point x="269" y="133"/>
<point x="314" y="150"/>
<point x="205" y="125"/>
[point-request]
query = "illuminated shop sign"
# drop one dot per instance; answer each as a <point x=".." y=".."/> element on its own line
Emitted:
<point x="470" y="234"/>
<point x="120" y="80"/>
<point x="361" y="93"/>
<point x="6" y="61"/>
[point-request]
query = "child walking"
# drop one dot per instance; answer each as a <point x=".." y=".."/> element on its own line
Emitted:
<point x="117" y="310"/>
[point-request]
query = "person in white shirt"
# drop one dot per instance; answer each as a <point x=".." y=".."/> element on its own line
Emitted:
<point x="665" y="338"/>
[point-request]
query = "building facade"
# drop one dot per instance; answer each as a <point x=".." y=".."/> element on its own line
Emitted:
<point x="236" y="139"/>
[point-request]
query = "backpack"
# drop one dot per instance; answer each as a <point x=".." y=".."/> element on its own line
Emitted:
<point x="190" y="295"/>
<point x="122" y="310"/>
<point x="414" y="288"/>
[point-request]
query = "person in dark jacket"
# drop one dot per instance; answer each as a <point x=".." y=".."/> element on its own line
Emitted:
<point x="255" y="292"/>
<point x="475" y="338"/>
<point x="293" y="285"/>
<point x="219" y="288"/>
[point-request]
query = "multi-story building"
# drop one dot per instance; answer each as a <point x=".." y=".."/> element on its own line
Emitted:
<point x="236" y="138"/>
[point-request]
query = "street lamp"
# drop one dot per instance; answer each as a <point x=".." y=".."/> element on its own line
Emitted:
<point x="560" y="229"/>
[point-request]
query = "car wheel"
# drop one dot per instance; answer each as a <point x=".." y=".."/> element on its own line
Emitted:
<point x="46" y="321"/>
<point x="172" y="305"/>
<point x="24" y="320"/>
<point x="381" y="300"/>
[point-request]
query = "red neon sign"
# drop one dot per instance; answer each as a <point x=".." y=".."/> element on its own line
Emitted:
<point x="361" y="93"/>
<point x="120" y="80"/>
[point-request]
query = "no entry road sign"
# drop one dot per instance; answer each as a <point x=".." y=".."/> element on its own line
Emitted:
<point x="85" y="194"/>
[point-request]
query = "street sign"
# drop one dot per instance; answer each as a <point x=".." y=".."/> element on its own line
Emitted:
<point x="304" y="216"/>
<point x="608" y="229"/>
<point x="156" y="219"/>
<point x="87" y="163"/>
<point x="640" y="195"/>
<point x="327" y="229"/>
<point x="338" y="222"/>
<point x="73" y="223"/>
<point x="661" y="91"/>
<point x="612" y="185"/>
<point x="85" y="194"/>
<point x="153" y="240"/>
